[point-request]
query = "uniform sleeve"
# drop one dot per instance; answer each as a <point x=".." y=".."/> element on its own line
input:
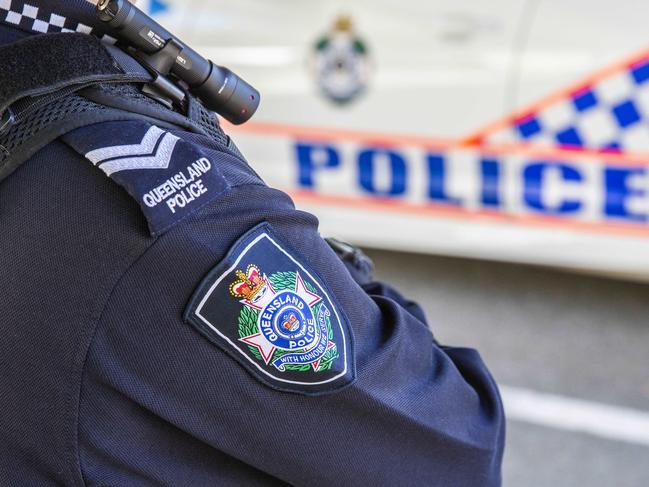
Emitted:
<point x="163" y="399"/>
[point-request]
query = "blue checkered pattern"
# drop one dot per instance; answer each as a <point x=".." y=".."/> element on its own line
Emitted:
<point x="611" y="114"/>
<point x="34" y="19"/>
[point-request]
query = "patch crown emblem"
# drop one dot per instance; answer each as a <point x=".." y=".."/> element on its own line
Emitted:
<point x="249" y="284"/>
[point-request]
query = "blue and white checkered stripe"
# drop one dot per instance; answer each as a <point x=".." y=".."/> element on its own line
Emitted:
<point x="31" y="18"/>
<point x="611" y="114"/>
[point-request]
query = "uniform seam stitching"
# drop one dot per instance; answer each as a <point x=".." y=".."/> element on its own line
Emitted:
<point x="91" y="339"/>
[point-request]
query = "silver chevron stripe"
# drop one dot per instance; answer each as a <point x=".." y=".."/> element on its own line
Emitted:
<point x="144" y="148"/>
<point x="137" y="156"/>
<point x="159" y="160"/>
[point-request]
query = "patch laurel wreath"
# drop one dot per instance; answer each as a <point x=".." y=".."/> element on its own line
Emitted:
<point x="248" y="325"/>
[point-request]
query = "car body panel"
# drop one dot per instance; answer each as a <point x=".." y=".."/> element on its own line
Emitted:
<point x="416" y="162"/>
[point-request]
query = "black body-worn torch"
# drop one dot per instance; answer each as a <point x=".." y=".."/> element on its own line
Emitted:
<point x="217" y="87"/>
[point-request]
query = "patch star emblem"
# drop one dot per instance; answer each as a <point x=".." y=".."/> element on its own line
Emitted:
<point x="272" y="313"/>
<point x="283" y="322"/>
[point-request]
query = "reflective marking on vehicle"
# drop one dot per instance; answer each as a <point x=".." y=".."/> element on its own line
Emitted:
<point x="517" y="184"/>
<point x="498" y="128"/>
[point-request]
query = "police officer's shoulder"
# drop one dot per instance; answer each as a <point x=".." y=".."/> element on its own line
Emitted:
<point x="239" y="254"/>
<point x="171" y="162"/>
<point x="237" y="248"/>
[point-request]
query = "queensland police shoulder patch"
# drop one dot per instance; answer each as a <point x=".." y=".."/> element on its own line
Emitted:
<point x="274" y="315"/>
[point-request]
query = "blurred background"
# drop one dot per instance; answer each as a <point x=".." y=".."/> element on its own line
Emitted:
<point x="492" y="159"/>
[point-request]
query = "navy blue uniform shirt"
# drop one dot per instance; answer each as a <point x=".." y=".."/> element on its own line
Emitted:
<point x="168" y="319"/>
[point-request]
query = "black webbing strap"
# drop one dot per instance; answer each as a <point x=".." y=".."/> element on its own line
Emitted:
<point x="55" y="83"/>
<point x="44" y="64"/>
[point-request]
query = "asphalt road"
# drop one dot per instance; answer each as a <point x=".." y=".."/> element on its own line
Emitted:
<point x="577" y="337"/>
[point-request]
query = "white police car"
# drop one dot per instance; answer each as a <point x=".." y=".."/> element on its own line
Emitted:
<point x="505" y="130"/>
